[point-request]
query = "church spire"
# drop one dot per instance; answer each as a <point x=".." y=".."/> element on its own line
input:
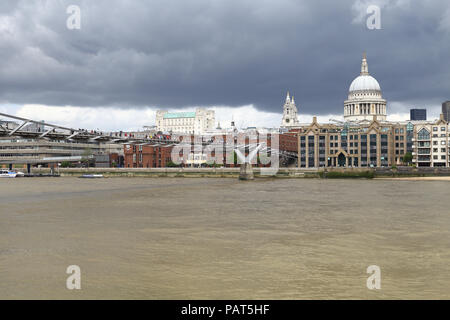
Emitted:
<point x="290" y="117"/>
<point x="364" y="66"/>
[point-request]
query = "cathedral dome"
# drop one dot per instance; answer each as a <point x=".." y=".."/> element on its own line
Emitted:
<point x="364" y="83"/>
<point x="365" y="100"/>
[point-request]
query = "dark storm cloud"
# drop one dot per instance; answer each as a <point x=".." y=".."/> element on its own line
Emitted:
<point x="175" y="53"/>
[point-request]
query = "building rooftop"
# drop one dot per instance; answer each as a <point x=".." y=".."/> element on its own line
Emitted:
<point x="176" y="115"/>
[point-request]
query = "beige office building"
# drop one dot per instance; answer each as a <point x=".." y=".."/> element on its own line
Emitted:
<point x="197" y="122"/>
<point x="371" y="144"/>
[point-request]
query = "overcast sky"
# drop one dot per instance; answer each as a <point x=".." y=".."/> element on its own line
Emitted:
<point x="238" y="56"/>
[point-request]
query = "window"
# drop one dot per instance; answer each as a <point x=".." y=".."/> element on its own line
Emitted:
<point x="424" y="134"/>
<point x="435" y="128"/>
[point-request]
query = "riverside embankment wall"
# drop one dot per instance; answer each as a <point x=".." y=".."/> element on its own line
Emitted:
<point x="234" y="172"/>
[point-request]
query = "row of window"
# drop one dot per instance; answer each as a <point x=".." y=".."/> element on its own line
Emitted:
<point x="344" y="137"/>
<point x="424" y="134"/>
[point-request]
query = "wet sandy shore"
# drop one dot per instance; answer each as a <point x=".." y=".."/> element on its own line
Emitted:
<point x="224" y="239"/>
<point x="436" y="178"/>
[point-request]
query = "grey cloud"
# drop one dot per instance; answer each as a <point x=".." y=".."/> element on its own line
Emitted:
<point x="180" y="53"/>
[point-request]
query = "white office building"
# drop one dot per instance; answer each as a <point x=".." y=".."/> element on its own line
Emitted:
<point x="197" y="122"/>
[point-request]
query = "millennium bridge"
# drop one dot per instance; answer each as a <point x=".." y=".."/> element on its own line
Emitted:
<point x="15" y="127"/>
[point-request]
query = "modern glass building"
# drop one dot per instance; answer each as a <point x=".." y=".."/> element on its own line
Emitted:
<point x="418" y="114"/>
<point x="446" y="110"/>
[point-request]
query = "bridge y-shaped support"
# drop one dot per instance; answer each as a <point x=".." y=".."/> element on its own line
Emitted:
<point x="72" y="136"/>
<point x="46" y="133"/>
<point x="246" y="172"/>
<point x="19" y="127"/>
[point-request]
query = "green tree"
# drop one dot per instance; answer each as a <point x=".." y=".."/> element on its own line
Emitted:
<point x="66" y="164"/>
<point x="86" y="156"/>
<point x="407" y="158"/>
<point x="172" y="164"/>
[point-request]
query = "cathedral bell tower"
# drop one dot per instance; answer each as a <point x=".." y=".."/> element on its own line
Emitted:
<point x="290" y="118"/>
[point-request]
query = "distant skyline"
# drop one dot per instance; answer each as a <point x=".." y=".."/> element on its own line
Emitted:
<point x="237" y="57"/>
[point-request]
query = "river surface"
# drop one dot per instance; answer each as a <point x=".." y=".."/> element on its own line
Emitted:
<point x="207" y="238"/>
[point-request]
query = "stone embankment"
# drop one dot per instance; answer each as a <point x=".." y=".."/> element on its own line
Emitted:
<point x="328" y="173"/>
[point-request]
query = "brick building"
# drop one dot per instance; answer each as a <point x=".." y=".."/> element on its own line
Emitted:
<point x="289" y="141"/>
<point x="108" y="160"/>
<point x="146" y="156"/>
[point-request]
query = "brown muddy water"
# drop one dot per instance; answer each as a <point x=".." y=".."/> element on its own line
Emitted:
<point x="195" y="238"/>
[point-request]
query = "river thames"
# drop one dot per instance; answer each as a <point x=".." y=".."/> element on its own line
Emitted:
<point x="208" y="238"/>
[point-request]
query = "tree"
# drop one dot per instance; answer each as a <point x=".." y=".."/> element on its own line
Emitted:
<point x="407" y="158"/>
<point x="214" y="165"/>
<point x="86" y="156"/>
<point x="66" y="164"/>
<point x="172" y="164"/>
